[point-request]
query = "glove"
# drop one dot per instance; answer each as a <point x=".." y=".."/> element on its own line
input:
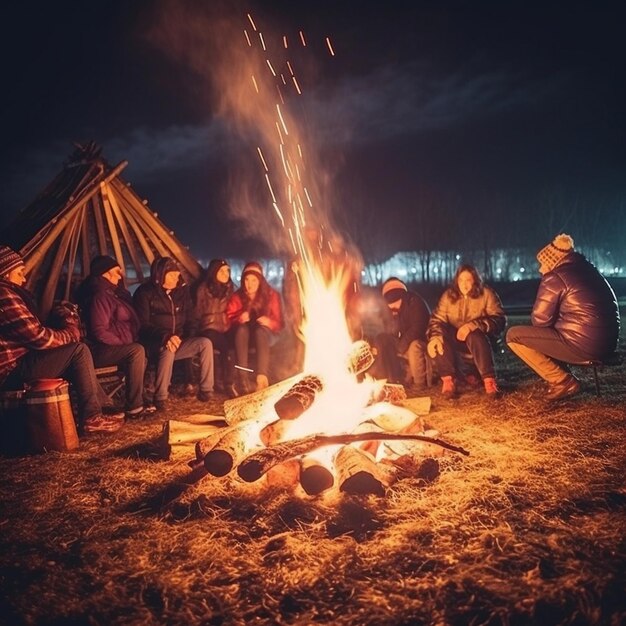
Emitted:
<point x="435" y="346"/>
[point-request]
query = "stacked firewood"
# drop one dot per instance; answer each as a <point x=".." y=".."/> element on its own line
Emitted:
<point x="256" y="443"/>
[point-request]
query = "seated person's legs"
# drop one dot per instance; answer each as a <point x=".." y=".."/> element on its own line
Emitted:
<point x="262" y="341"/>
<point x="542" y="349"/>
<point x="418" y="367"/>
<point x="203" y="349"/>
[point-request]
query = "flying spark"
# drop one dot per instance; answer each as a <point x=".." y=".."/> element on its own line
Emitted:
<point x="252" y="21"/>
<point x="302" y="39"/>
<point x="330" y="46"/>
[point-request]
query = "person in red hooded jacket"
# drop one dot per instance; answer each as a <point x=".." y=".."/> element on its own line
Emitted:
<point x="255" y="312"/>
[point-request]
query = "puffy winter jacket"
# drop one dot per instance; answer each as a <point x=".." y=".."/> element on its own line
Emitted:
<point x="576" y="300"/>
<point x="162" y="314"/>
<point x="111" y="317"/>
<point x="485" y="311"/>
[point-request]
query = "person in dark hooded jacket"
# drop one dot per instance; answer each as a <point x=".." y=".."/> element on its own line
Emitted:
<point x="575" y="318"/>
<point x="113" y="329"/>
<point x="210" y="296"/>
<point x="165" y="311"/>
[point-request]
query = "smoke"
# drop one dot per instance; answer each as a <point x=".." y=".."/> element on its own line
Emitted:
<point x="256" y="79"/>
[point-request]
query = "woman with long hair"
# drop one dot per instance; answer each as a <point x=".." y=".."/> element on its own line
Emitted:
<point x="468" y="316"/>
<point x="210" y="298"/>
<point x="255" y="311"/>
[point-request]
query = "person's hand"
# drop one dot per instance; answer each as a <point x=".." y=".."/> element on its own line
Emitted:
<point x="264" y="320"/>
<point x="464" y="331"/>
<point x="435" y="347"/>
<point x="244" y="318"/>
<point x="173" y="343"/>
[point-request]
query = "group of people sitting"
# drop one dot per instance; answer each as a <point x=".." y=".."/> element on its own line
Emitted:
<point x="575" y="319"/>
<point x="162" y="322"/>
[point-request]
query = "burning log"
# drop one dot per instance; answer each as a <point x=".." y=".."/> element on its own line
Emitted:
<point x="358" y="472"/>
<point x="255" y="465"/>
<point x="360" y="357"/>
<point x="274" y="432"/>
<point x="299" y="398"/>
<point x="230" y="449"/>
<point x="302" y="395"/>
<point x="284" y="475"/>
<point x="315" y="477"/>
<point x="252" y="405"/>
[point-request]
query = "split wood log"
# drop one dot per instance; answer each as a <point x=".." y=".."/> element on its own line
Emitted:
<point x="255" y="465"/>
<point x="252" y="405"/>
<point x="315" y="477"/>
<point x="178" y="431"/>
<point x="390" y="392"/>
<point x="181" y="436"/>
<point x="358" y="472"/>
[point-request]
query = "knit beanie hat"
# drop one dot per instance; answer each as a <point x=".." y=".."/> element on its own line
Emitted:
<point x="9" y="260"/>
<point x="102" y="264"/>
<point x="550" y="256"/>
<point x="252" y="267"/>
<point x="392" y="290"/>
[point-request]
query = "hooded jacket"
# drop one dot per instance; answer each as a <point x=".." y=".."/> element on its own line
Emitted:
<point x="575" y="299"/>
<point x="21" y="330"/>
<point x="110" y="315"/>
<point x="210" y="300"/>
<point x="162" y="314"/>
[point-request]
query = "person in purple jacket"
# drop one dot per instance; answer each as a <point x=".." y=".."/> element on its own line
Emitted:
<point x="113" y="329"/>
<point x="575" y="318"/>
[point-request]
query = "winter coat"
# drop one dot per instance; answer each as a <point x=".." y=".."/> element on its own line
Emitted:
<point x="575" y="299"/>
<point x="21" y="330"/>
<point x="162" y="314"/>
<point x="485" y="312"/>
<point x="273" y="310"/>
<point x="210" y="300"/>
<point x="411" y="321"/>
<point x="109" y="311"/>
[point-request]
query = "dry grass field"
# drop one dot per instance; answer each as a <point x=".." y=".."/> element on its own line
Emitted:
<point x="529" y="529"/>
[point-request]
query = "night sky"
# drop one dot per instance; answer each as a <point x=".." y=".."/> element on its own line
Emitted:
<point x="484" y="107"/>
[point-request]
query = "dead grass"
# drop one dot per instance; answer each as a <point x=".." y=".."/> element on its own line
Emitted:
<point x="528" y="529"/>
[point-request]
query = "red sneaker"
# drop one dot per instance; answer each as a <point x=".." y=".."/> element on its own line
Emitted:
<point x="102" y="424"/>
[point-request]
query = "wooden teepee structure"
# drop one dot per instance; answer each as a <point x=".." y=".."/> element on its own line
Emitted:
<point x="85" y="211"/>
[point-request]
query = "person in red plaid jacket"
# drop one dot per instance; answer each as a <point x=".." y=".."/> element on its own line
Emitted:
<point x="30" y="351"/>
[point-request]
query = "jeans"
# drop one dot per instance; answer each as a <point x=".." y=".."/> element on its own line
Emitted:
<point x="475" y="347"/>
<point x="189" y="348"/>
<point x="73" y="362"/>
<point x="224" y="343"/>
<point x="262" y="338"/>
<point x="543" y="349"/>
<point x="131" y="359"/>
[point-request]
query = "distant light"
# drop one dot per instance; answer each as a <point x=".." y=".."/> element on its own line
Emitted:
<point x="413" y="270"/>
<point x="499" y="270"/>
<point x="435" y="270"/>
<point x="402" y="272"/>
<point x="458" y="257"/>
<point x="379" y="275"/>
<point x="272" y="273"/>
<point x="363" y="273"/>
<point x="522" y="270"/>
